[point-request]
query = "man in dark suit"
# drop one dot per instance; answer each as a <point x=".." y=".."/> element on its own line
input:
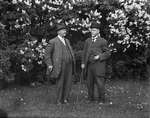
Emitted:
<point x="60" y="62"/>
<point x="95" y="54"/>
<point x="147" y="57"/>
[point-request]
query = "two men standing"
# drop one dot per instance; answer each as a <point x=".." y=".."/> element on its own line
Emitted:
<point x="60" y="62"/>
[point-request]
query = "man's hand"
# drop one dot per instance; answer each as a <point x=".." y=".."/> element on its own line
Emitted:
<point x="49" y="69"/>
<point x="96" y="57"/>
<point x="82" y="66"/>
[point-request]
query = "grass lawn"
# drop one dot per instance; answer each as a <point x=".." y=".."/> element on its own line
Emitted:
<point x="127" y="99"/>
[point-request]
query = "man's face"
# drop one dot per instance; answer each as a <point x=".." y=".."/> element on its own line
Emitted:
<point x="94" y="31"/>
<point x="62" y="32"/>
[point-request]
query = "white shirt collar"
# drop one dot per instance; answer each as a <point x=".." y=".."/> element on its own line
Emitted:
<point x="62" y="39"/>
<point x="95" y="38"/>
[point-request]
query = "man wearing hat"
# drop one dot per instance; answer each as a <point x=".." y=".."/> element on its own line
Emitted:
<point x="60" y="62"/>
<point x="94" y="58"/>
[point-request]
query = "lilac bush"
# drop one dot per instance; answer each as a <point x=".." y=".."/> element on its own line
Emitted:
<point x="130" y="24"/>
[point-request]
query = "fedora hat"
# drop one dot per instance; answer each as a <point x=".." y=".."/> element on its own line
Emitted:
<point x="60" y="27"/>
<point x="95" y="25"/>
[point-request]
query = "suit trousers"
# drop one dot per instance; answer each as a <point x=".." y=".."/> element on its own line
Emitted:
<point x="148" y="70"/>
<point x="95" y="78"/>
<point x="64" y="81"/>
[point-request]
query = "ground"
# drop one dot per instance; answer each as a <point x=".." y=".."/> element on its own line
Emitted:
<point x="125" y="99"/>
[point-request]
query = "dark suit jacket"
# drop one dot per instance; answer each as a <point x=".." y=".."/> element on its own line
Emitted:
<point x="147" y="55"/>
<point x="99" y="48"/>
<point x="53" y="56"/>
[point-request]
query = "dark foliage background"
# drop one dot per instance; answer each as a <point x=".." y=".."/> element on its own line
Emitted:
<point x="26" y="27"/>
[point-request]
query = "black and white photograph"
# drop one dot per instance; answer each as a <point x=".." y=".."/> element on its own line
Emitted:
<point x="74" y="58"/>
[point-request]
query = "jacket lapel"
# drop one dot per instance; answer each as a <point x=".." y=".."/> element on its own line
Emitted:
<point x="72" y="54"/>
<point x="69" y="46"/>
<point x="89" y="46"/>
<point x="59" y="43"/>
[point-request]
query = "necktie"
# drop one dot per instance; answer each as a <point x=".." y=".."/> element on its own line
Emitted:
<point x="93" y="39"/>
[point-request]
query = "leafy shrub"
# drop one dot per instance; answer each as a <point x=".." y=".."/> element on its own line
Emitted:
<point x="27" y="26"/>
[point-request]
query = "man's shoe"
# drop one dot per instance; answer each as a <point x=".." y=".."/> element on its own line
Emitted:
<point x="101" y="101"/>
<point x="90" y="100"/>
<point x="59" y="102"/>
